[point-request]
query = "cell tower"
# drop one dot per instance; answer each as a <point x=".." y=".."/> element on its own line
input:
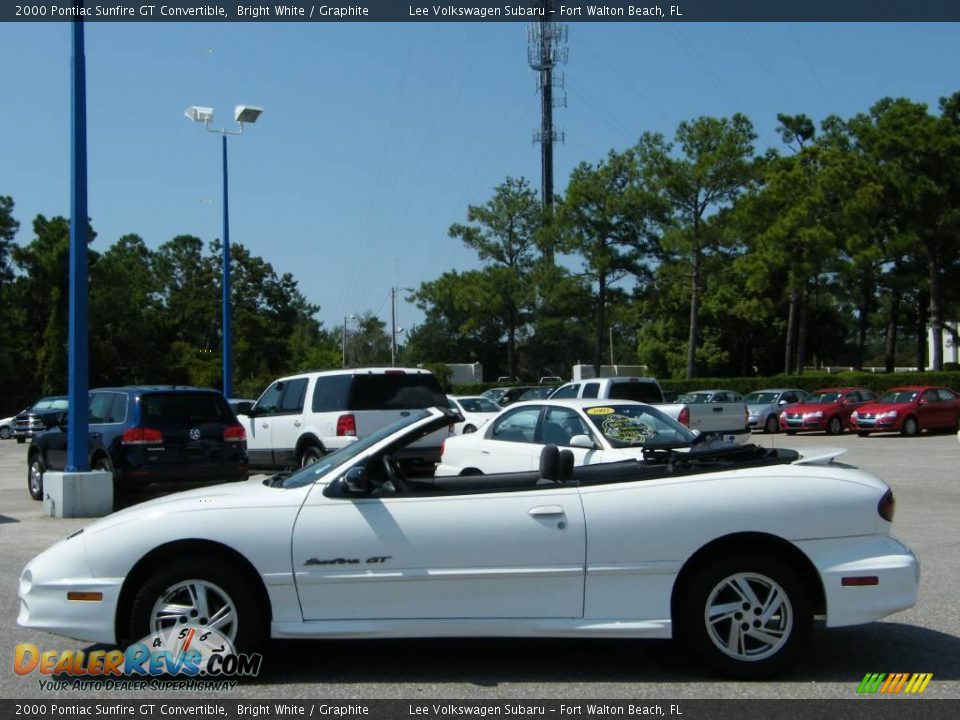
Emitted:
<point x="546" y="48"/>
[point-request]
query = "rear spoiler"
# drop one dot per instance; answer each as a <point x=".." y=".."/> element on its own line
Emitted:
<point x="819" y="455"/>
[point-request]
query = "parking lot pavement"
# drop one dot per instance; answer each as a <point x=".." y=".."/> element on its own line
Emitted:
<point x="924" y="473"/>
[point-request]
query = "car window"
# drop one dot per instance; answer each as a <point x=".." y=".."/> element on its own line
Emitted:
<point x="479" y="405"/>
<point x="561" y="424"/>
<point x="108" y="407"/>
<point x="931" y="396"/>
<point x="189" y="407"/>
<point x="395" y="391"/>
<point x="762" y="398"/>
<point x="591" y="390"/>
<point x="567" y="391"/>
<point x="899" y="396"/>
<point x="946" y="394"/>
<point x="292" y="400"/>
<point x="269" y="402"/>
<point x="330" y="393"/>
<point x="638" y="426"/>
<point x="640" y="391"/>
<point x="517" y="426"/>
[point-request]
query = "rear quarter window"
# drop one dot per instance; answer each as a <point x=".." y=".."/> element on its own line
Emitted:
<point x="395" y="392"/>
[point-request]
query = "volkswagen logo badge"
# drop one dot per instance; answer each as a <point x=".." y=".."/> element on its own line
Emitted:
<point x="194" y="433"/>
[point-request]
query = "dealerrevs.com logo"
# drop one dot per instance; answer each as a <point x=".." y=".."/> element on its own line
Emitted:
<point x="894" y="683"/>
<point x="185" y="657"/>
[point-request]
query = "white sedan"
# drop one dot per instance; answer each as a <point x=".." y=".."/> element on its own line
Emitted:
<point x="734" y="550"/>
<point x="593" y="430"/>
<point x="476" y="410"/>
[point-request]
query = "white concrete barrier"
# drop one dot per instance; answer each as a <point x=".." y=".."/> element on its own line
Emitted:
<point x="78" y="494"/>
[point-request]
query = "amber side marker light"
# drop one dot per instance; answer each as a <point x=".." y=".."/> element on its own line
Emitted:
<point x="860" y="581"/>
<point x="85" y="596"/>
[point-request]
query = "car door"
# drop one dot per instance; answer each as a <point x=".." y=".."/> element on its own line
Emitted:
<point x="951" y="405"/>
<point x="509" y="444"/>
<point x="473" y="555"/>
<point x="930" y="410"/>
<point x="259" y="425"/>
<point x="287" y="422"/>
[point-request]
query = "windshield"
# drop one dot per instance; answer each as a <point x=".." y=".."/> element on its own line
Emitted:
<point x="50" y="404"/>
<point x="899" y="396"/>
<point x="638" y="426"/>
<point x="823" y="398"/>
<point x="479" y="405"/>
<point x="761" y="398"/>
<point x="328" y="463"/>
<point x="494" y="393"/>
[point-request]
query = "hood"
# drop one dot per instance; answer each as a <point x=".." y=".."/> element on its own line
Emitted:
<point x="754" y="408"/>
<point x="810" y="407"/>
<point x="879" y="407"/>
<point x="249" y="493"/>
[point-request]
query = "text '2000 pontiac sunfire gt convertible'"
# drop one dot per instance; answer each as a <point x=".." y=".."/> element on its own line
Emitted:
<point x="733" y="550"/>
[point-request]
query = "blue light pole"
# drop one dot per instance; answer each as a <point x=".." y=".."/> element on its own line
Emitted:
<point x="78" y="380"/>
<point x="241" y="114"/>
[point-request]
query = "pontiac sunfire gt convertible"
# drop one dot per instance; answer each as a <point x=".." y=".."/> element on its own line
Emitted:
<point x="733" y="550"/>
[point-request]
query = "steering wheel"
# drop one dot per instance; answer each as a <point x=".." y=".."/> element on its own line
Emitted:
<point x="394" y="475"/>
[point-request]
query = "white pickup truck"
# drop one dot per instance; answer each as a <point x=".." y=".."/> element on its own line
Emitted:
<point x="726" y="420"/>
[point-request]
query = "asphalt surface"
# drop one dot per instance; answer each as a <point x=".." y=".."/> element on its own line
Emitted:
<point x="925" y="475"/>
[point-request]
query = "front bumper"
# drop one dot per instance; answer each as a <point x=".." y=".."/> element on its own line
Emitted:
<point x="43" y="589"/>
<point x="895" y="566"/>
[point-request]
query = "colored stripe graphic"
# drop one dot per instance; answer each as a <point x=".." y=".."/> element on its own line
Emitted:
<point x="894" y="683"/>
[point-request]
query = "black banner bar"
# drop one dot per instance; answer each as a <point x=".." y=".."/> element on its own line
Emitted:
<point x="570" y="11"/>
<point x="872" y="708"/>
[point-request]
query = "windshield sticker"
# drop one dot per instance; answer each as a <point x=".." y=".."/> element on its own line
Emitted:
<point x="600" y="411"/>
<point x="627" y="430"/>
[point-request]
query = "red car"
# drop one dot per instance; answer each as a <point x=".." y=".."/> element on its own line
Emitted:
<point x="909" y="410"/>
<point x="827" y="410"/>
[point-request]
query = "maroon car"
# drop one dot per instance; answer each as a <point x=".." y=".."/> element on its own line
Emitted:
<point x="909" y="410"/>
<point x="826" y="410"/>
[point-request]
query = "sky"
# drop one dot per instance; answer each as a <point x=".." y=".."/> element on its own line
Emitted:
<point x="375" y="137"/>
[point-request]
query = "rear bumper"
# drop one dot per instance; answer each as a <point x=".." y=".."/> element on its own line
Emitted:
<point x="895" y="566"/>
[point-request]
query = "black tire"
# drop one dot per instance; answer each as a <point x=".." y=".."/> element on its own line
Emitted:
<point x="5" y="433"/>
<point x="764" y="647"/>
<point x="249" y="630"/>
<point x="21" y="441"/>
<point x="861" y="433"/>
<point x="309" y="455"/>
<point x="911" y="428"/>
<point x="467" y="429"/>
<point x="834" y="425"/>
<point x="791" y="432"/>
<point x="470" y="472"/>
<point x="772" y="425"/>
<point x="35" y="471"/>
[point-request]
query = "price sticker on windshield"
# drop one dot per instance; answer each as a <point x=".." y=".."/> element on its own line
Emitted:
<point x="600" y="411"/>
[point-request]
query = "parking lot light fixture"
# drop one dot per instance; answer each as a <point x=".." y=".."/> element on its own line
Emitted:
<point x="242" y="114"/>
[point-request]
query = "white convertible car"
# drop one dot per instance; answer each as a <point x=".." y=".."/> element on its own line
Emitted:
<point x="733" y="550"/>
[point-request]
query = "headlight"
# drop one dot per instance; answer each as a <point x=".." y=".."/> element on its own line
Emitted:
<point x="854" y="415"/>
<point x="891" y="414"/>
<point x="817" y="414"/>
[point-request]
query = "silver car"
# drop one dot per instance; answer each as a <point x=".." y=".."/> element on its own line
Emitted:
<point x="764" y="407"/>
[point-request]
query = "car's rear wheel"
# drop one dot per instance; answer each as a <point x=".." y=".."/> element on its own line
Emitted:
<point x="5" y="433"/>
<point x="834" y="426"/>
<point x="35" y="470"/>
<point x="205" y="595"/>
<point x="309" y="455"/>
<point x="862" y="433"/>
<point x="747" y="616"/>
<point x="467" y="429"/>
<point x="772" y="425"/>
<point x="910" y="427"/>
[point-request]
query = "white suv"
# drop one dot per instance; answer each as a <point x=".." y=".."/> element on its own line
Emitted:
<point x="300" y="418"/>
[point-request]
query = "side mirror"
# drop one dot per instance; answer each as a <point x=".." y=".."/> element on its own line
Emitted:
<point x="244" y="408"/>
<point x="54" y="420"/>
<point x="783" y="402"/>
<point x="582" y="441"/>
<point x="357" y="482"/>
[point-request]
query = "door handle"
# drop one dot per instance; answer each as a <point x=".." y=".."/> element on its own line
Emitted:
<point x="265" y="425"/>
<point x="545" y="511"/>
<point x="296" y="423"/>
<point x="484" y="452"/>
<point x="718" y="409"/>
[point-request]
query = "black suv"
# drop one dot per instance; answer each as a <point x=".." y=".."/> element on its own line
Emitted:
<point x="149" y="434"/>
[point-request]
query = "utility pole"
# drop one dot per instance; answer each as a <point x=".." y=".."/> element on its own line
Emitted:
<point x="393" y="324"/>
<point x="546" y="48"/>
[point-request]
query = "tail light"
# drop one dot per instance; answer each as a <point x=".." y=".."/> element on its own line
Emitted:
<point x="347" y="425"/>
<point x="684" y="418"/>
<point x="141" y="436"/>
<point x="234" y="433"/>
<point x="443" y="447"/>
<point x="887" y="506"/>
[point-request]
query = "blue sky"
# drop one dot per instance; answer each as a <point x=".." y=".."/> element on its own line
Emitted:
<point x="376" y="137"/>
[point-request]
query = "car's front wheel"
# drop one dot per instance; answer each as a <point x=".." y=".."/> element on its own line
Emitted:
<point x="204" y="595"/>
<point x="310" y="455"/>
<point x="35" y="470"/>
<point x="773" y="424"/>
<point x="746" y="616"/>
<point x="5" y="432"/>
<point x="910" y="427"/>
<point x="834" y="426"/>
